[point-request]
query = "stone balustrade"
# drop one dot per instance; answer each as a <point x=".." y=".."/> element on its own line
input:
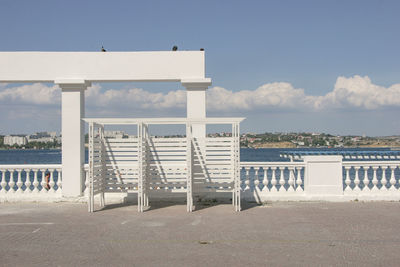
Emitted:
<point x="346" y="155"/>
<point x="28" y="182"/>
<point x="372" y="180"/>
<point x="263" y="181"/>
<point x="321" y="178"/>
<point x="260" y="181"/>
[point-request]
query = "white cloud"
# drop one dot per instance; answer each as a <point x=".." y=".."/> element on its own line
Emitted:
<point x="356" y="92"/>
<point x="36" y="93"/>
<point x="135" y="98"/>
<point x="360" y="92"/>
<point x="266" y="96"/>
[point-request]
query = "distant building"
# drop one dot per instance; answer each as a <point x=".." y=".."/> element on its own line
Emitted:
<point x="43" y="137"/>
<point x="114" y="134"/>
<point x="15" y="140"/>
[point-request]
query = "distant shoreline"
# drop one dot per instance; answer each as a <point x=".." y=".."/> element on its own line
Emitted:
<point x="269" y="145"/>
<point x="2" y="148"/>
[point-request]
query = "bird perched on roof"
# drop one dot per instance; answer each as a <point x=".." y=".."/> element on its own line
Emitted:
<point x="102" y="49"/>
<point x="174" y="48"/>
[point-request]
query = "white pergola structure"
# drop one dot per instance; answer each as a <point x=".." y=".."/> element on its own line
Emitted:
<point x="150" y="165"/>
<point x="75" y="71"/>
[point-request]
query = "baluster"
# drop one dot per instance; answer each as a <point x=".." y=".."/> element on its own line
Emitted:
<point x="282" y="180"/>
<point x="3" y="183"/>
<point x="52" y="183"/>
<point x="11" y="183"/>
<point x="28" y="182"/>
<point x="392" y="179"/>
<point x="375" y="179"/>
<point x="274" y="181"/>
<point x="247" y="180"/>
<point x="347" y="181"/>
<point x="256" y="181"/>
<point x="356" y="179"/>
<point x="265" y="180"/>
<point x="59" y="179"/>
<point x="365" y="180"/>
<point x="384" y="179"/>
<point x="35" y="181"/>
<point x="43" y="183"/>
<point x="19" y="181"/>
<point x="291" y="180"/>
<point x="298" y="180"/>
<point x="86" y="190"/>
<point x="58" y="182"/>
<point x="86" y="185"/>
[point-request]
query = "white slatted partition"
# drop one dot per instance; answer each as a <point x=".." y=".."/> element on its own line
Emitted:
<point x="143" y="163"/>
<point x="214" y="164"/>
<point x="236" y="165"/>
<point x="166" y="159"/>
<point x="96" y="164"/>
<point x="189" y="167"/>
<point x="121" y="163"/>
<point x="115" y="165"/>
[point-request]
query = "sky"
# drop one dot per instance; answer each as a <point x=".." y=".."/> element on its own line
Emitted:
<point x="287" y="66"/>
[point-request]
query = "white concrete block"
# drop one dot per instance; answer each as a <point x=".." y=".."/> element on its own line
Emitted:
<point x="323" y="175"/>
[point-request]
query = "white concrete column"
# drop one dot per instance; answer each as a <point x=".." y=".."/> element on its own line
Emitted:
<point x="196" y="103"/>
<point x="73" y="135"/>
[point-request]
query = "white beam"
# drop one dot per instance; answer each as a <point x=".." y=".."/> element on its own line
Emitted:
<point x="101" y="66"/>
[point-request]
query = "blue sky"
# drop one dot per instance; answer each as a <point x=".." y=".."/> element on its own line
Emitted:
<point x="343" y="55"/>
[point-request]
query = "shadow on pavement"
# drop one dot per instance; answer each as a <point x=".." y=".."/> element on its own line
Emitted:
<point x="249" y="205"/>
<point x="160" y="204"/>
<point x="115" y="206"/>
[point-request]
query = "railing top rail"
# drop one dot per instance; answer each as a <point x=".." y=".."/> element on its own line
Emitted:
<point x="121" y="121"/>
<point x="30" y="166"/>
<point x="272" y="164"/>
<point x="371" y="163"/>
<point x="347" y="155"/>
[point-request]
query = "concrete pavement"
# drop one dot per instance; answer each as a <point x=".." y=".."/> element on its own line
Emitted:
<point x="277" y="234"/>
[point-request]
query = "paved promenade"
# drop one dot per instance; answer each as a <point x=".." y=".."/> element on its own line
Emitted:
<point x="277" y="234"/>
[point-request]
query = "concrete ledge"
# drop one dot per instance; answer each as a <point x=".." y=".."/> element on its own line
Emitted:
<point x="295" y="196"/>
<point x="219" y="196"/>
